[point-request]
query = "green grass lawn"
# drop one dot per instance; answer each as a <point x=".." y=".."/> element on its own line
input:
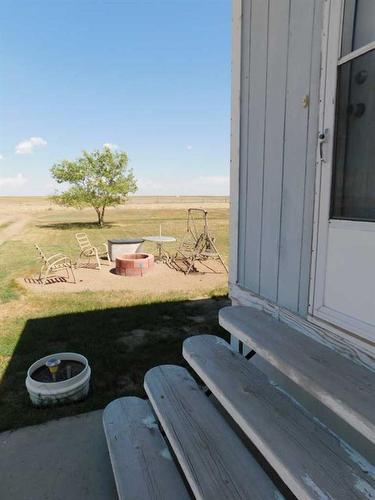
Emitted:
<point x="121" y="335"/>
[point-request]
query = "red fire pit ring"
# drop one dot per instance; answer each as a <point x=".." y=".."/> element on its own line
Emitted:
<point x="134" y="264"/>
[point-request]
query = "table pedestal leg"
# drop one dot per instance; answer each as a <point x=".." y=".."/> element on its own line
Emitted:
<point x="160" y="251"/>
<point x="162" y="255"/>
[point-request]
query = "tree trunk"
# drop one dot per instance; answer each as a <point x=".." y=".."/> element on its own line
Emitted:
<point x="99" y="215"/>
<point x="102" y="216"/>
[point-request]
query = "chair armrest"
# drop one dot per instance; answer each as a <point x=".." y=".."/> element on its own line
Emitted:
<point x="103" y="245"/>
<point x="64" y="258"/>
<point x="55" y="255"/>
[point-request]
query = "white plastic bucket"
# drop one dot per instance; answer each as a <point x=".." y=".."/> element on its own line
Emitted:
<point x="65" y="391"/>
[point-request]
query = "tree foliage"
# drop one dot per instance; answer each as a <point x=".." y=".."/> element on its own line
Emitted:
<point x="100" y="179"/>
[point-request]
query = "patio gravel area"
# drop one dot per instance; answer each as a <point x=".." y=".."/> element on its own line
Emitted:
<point x="160" y="277"/>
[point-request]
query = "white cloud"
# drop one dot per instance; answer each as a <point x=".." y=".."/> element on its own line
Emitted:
<point x="215" y="185"/>
<point x="1" y="157"/>
<point x="26" y="147"/>
<point x="189" y="147"/>
<point x="110" y="145"/>
<point x="13" y="182"/>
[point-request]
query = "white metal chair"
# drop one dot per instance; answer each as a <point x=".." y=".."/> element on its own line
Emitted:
<point x="53" y="264"/>
<point x="88" y="251"/>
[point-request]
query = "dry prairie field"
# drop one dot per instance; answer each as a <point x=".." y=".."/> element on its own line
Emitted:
<point x="123" y="330"/>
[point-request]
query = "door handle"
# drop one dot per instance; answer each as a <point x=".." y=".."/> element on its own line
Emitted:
<point x="322" y="139"/>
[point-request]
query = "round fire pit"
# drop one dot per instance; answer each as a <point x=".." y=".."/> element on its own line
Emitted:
<point x="134" y="264"/>
<point x="58" y="378"/>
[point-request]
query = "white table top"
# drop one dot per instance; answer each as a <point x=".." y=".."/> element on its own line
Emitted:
<point x="159" y="239"/>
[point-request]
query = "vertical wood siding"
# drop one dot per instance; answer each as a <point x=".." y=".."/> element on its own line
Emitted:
<point x="280" y="60"/>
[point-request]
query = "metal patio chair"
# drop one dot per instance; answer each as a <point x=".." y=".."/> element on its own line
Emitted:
<point x="53" y="264"/>
<point x="197" y="245"/>
<point x="88" y="251"/>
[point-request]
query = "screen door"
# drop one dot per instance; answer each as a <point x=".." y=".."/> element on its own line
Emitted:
<point x="344" y="292"/>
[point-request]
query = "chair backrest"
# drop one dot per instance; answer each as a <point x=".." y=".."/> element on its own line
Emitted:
<point x="83" y="241"/>
<point x="41" y="253"/>
<point x="197" y="222"/>
<point x="188" y="245"/>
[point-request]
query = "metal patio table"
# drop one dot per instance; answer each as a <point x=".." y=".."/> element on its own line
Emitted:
<point x="163" y="255"/>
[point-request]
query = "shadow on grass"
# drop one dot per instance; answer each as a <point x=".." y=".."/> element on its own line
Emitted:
<point x="121" y="344"/>
<point x="75" y="225"/>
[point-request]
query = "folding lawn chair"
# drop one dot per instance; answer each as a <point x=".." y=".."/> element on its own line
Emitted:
<point x="88" y="251"/>
<point x="53" y="264"/>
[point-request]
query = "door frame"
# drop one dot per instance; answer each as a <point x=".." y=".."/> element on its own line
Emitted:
<point x="333" y="15"/>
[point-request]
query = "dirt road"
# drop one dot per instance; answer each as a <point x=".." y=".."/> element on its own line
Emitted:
<point x="11" y="227"/>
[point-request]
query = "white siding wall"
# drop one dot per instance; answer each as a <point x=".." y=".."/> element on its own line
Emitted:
<point x="280" y="65"/>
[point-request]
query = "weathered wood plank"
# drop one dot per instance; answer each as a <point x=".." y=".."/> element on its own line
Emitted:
<point x="235" y="139"/>
<point x="142" y="464"/>
<point x="296" y="125"/>
<point x="277" y="67"/>
<point x="216" y="463"/>
<point x="256" y="128"/>
<point x="358" y="350"/>
<point x="244" y="136"/>
<point x="311" y="154"/>
<point x="311" y="460"/>
<point x="280" y="71"/>
<point x="344" y="387"/>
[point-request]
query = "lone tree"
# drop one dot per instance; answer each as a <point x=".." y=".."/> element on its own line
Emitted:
<point x="100" y="179"/>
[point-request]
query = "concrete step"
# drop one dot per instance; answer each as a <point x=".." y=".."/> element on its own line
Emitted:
<point x="59" y="460"/>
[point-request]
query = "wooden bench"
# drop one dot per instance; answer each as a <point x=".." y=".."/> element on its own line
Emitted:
<point x="307" y="456"/>
<point x="209" y="460"/>
<point x="142" y="464"/>
<point x="216" y="463"/>
<point x="346" y="388"/>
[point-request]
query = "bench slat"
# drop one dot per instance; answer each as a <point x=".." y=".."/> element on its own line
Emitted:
<point x="141" y="462"/>
<point x="310" y="459"/>
<point x="343" y="386"/>
<point x="215" y="462"/>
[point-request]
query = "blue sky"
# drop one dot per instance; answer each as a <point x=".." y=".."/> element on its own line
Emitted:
<point x="150" y="77"/>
